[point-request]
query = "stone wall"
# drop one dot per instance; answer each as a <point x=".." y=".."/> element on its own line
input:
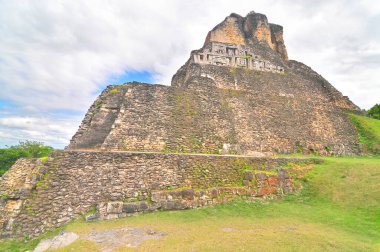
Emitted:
<point x="222" y="54"/>
<point x="209" y="107"/>
<point x="15" y="187"/>
<point x="71" y="183"/>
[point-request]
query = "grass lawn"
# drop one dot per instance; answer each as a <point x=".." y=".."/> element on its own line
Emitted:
<point x="338" y="210"/>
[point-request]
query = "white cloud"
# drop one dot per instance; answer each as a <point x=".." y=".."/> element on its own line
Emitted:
<point x="57" y="54"/>
<point x="49" y="130"/>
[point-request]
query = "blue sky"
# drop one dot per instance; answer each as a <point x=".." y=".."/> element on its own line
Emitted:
<point x="128" y="76"/>
<point x="57" y="56"/>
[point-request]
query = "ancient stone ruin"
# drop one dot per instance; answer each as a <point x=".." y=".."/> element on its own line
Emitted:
<point x="232" y="55"/>
<point x="207" y="138"/>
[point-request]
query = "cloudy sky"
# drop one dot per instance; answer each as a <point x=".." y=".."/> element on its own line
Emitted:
<point x="56" y="56"/>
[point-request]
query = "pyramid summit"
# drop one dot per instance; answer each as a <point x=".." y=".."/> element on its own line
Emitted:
<point x="249" y="30"/>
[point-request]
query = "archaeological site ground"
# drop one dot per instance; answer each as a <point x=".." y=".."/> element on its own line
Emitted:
<point x="260" y="152"/>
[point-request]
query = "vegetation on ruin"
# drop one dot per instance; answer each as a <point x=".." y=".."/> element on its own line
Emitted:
<point x="30" y="149"/>
<point x="374" y="112"/>
<point x="369" y="133"/>
<point x="115" y="89"/>
<point x="338" y="210"/>
<point x="98" y="104"/>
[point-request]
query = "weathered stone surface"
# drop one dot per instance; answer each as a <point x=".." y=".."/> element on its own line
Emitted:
<point x="130" y="208"/>
<point x="252" y="29"/>
<point x="61" y="240"/>
<point x="159" y="118"/>
<point x="130" y="237"/>
<point x="261" y="176"/>
<point x="229" y="31"/>
<point x="188" y="194"/>
<point x="248" y="175"/>
<point x="115" y="207"/>
<point x="121" y="183"/>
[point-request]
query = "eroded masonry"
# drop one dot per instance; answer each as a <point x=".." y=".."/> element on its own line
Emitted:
<point x="232" y="55"/>
<point x="207" y="138"/>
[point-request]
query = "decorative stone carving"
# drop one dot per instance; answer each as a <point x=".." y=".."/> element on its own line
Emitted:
<point x="233" y="55"/>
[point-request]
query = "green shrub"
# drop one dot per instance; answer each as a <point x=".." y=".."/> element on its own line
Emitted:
<point x="374" y="112"/>
<point x="31" y="149"/>
<point x="368" y="133"/>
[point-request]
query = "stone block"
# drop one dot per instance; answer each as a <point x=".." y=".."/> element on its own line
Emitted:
<point x="115" y="207"/>
<point x="261" y="176"/>
<point x="274" y="180"/>
<point x="130" y="207"/>
<point x="245" y="182"/>
<point x="178" y="205"/>
<point x="213" y="193"/>
<point x="91" y="217"/>
<point x="187" y="194"/>
<point x="266" y="190"/>
<point x="248" y="175"/>
<point x="143" y="206"/>
<point x="283" y="174"/>
<point x="167" y="205"/>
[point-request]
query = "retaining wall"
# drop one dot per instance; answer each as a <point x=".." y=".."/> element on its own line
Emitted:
<point x="40" y="196"/>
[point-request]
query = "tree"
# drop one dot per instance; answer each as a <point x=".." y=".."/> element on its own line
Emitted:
<point x="34" y="149"/>
<point x="31" y="149"/>
<point x="374" y="112"/>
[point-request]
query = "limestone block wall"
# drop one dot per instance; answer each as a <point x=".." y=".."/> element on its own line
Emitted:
<point x="98" y="120"/>
<point x="247" y="111"/>
<point x="71" y="183"/>
<point x="238" y="94"/>
<point x="16" y="186"/>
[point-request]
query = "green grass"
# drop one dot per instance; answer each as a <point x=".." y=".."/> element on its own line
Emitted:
<point x="337" y="210"/>
<point x="26" y="244"/>
<point x="369" y="133"/>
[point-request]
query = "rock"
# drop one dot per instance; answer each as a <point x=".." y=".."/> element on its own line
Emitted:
<point x="188" y="194"/>
<point x="273" y="180"/>
<point x="91" y="217"/>
<point x="129" y="208"/>
<point x="213" y="193"/>
<point x="283" y="174"/>
<point x="61" y="240"/>
<point x="261" y="176"/>
<point x="115" y="207"/>
<point x="229" y="31"/>
<point x="248" y="175"/>
<point x="251" y="29"/>
<point x="245" y="182"/>
<point x="143" y="206"/>
<point x="127" y="236"/>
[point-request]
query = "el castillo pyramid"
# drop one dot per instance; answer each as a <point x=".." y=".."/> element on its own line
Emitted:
<point x="238" y="94"/>
<point x="208" y="138"/>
